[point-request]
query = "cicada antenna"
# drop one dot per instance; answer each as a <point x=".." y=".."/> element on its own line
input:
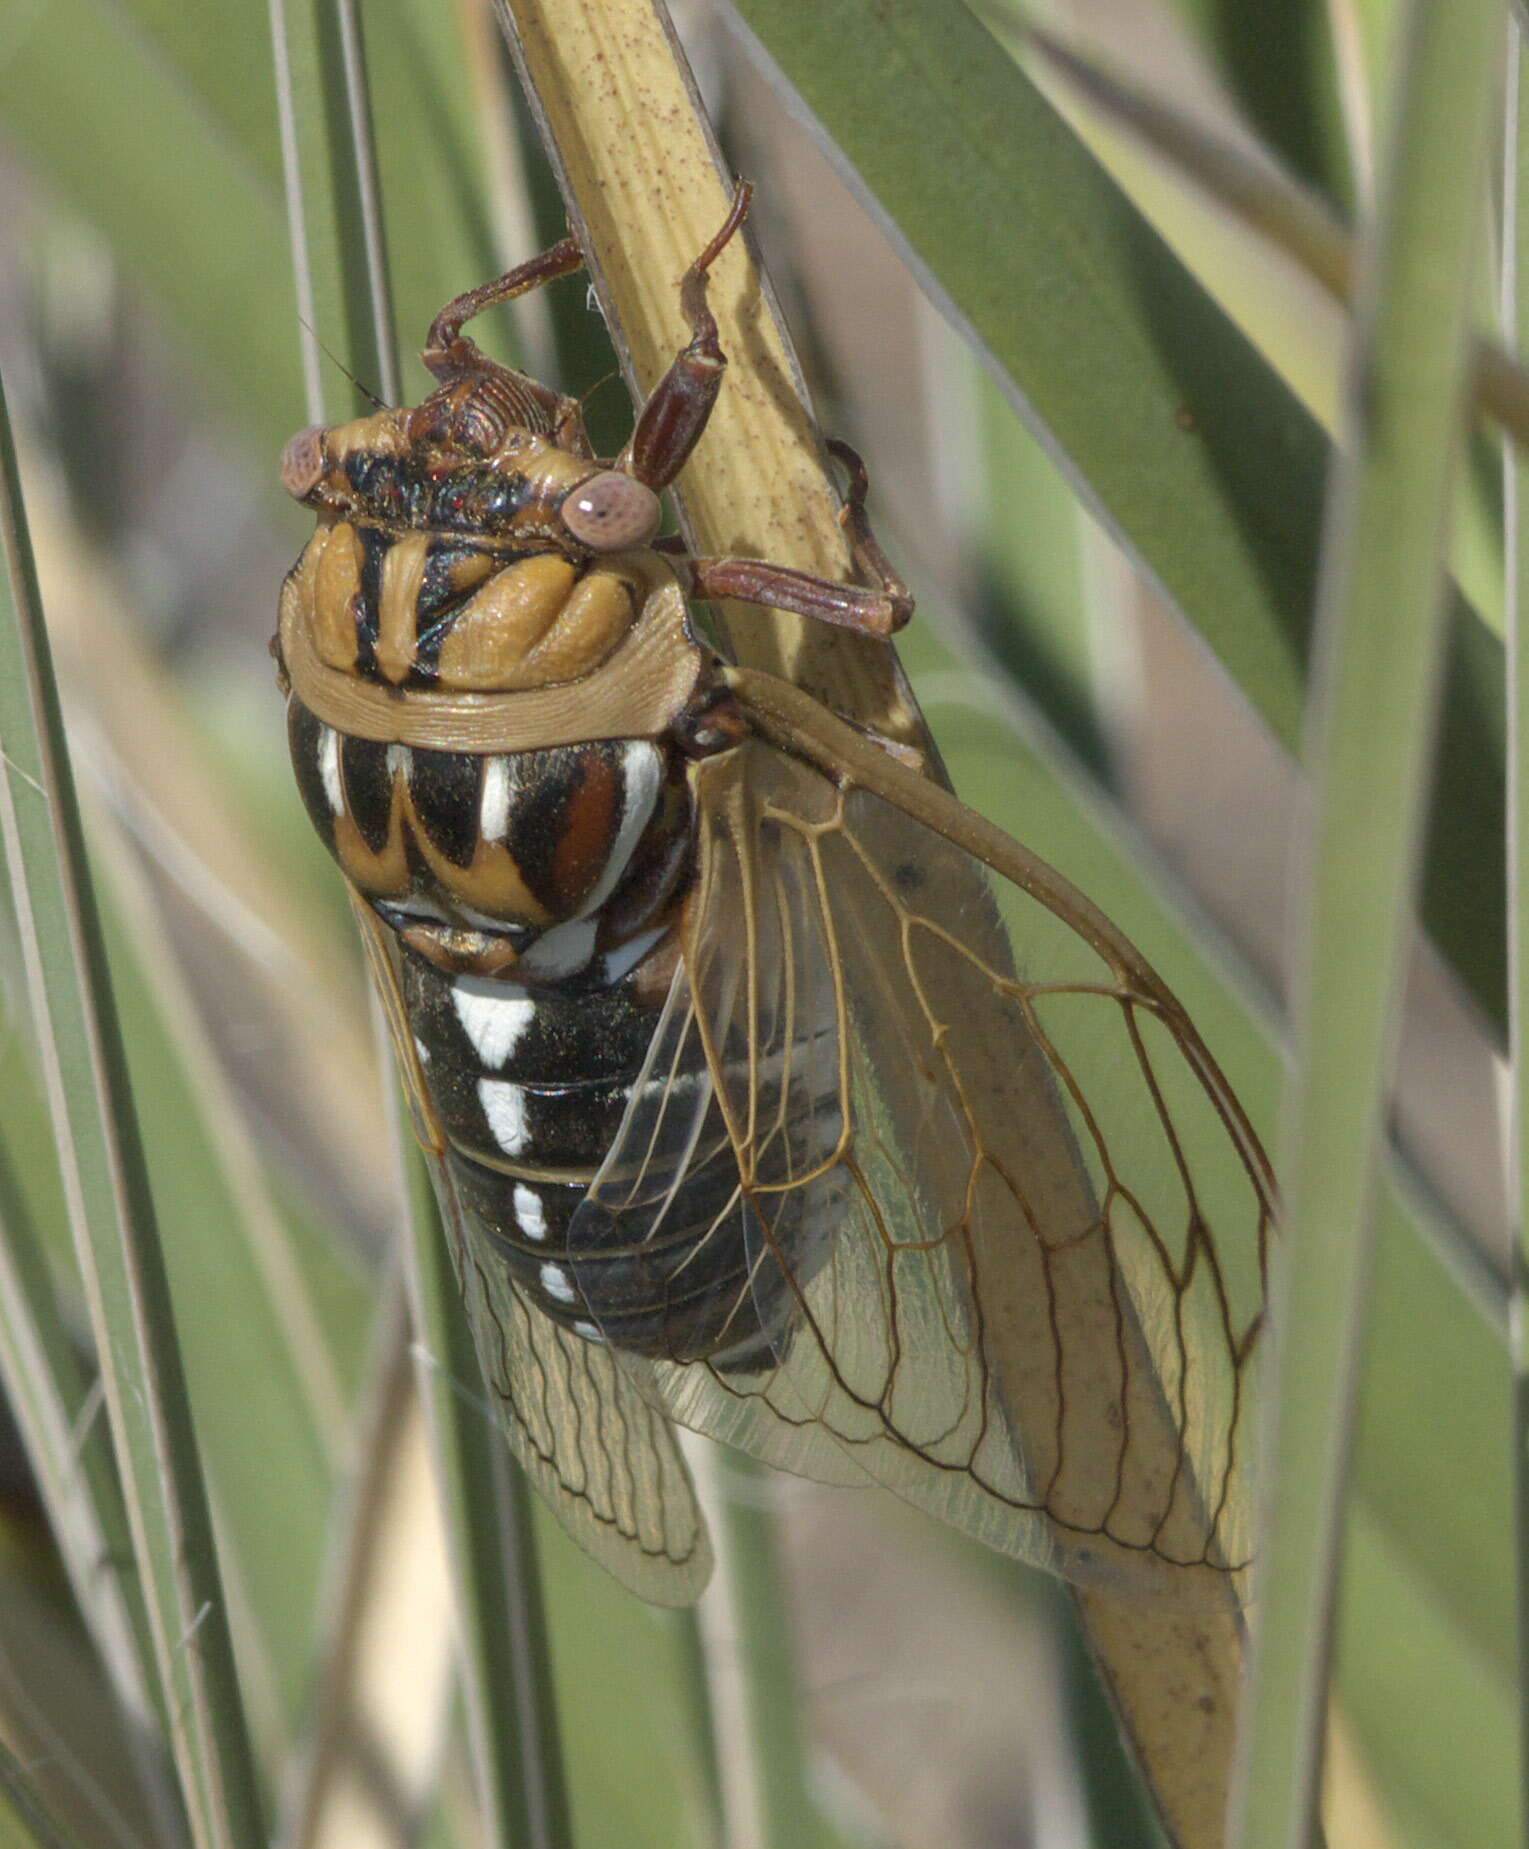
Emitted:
<point x="339" y="364"/>
<point x="599" y="384"/>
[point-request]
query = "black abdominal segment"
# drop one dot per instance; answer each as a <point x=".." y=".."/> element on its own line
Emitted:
<point x="531" y="1090"/>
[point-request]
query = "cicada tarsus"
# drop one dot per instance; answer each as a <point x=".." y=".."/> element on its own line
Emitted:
<point x="741" y="1112"/>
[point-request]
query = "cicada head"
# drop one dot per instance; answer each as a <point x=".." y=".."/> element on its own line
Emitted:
<point x="470" y="543"/>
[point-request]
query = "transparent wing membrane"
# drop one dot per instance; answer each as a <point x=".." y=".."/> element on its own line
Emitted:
<point x="672" y="1178"/>
<point x="600" y="1452"/>
<point x="1004" y="1236"/>
<point x="587" y="1429"/>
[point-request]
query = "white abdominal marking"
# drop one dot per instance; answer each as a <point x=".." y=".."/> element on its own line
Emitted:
<point x="528" y="1211"/>
<point x="562" y="950"/>
<point x="504" y="1105"/>
<point x="556" y="1283"/>
<point x="329" y="768"/>
<point x="494" y="1023"/>
<point x="416" y="908"/>
<point x="494" y="805"/>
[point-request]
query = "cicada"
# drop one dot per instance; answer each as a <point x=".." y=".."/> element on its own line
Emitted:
<point x="767" y="1090"/>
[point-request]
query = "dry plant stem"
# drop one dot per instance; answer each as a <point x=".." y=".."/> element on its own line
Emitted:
<point x="388" y="1669"/>
<point x="646" y="190"/>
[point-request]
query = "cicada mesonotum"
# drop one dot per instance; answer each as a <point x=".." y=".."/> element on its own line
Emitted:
<point x="685" y="974"/>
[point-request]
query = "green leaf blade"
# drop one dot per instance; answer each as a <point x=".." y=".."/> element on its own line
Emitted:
<point x="1095" y="330"/>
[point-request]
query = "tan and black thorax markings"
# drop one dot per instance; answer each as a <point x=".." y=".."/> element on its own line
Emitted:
<point x="460" y="577"/>
<point x="422" y="610"/>
<point x="551" y="863"/>
<point x="582" y="651"/>
<point x="530" y="1087"/>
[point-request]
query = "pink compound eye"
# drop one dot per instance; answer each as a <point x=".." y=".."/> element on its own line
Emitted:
<point x="611" y="511"/>
<point x="302" y="461"/>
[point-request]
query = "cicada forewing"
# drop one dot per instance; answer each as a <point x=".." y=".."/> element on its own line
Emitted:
<point x="586" y="1426"/>
<point x="1006" y="1232"/>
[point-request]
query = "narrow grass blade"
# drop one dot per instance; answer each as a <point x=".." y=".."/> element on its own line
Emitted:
<point x="768" y="1798"/>
<point x="269" y="1404"/>
<point x="55" y="1406"/>
<point x="1381" y="604"/>
<point x="700" y="1726"/>
<point x="1187" y="445"/>
<point x="1516" y="521"/>
<point x="512" y="1712"/>
<point x="407" y="199"/>
<point x="24" y="1821"/>
<point x="111" y="1209"/>
<point x="331" y="210"/>
<point x="337" y="244"/>
<point x="361" y="176"/>
<point x="1284" y="78"/>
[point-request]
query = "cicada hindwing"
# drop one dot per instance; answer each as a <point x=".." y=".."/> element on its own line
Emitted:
<point x="741" y="1112"/>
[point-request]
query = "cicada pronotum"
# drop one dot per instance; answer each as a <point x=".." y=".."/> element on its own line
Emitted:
<point x="674" y="959"/>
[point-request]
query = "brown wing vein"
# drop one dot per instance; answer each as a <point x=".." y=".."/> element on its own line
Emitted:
<point x="1071" y="1451"/>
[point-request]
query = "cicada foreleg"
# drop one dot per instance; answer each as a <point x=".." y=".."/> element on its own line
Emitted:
<point x="670" y="424"/>
<point x="447" y="349"/>
<point x="864" y="546"/>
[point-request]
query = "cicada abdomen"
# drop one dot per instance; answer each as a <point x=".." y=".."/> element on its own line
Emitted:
<point x="673" y="961"/>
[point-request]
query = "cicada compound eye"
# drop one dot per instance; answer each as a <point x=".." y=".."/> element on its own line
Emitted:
<point x="612" y="511"/>
<point x="302" y="462"/>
